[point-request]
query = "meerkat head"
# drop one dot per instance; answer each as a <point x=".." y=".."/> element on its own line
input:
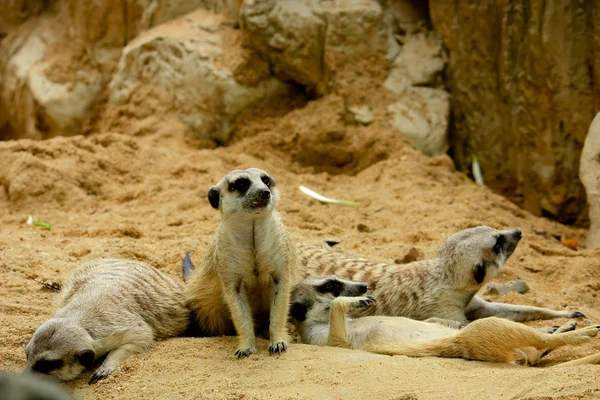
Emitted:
<point x="311" y="298"/>
<point x="250" y="190"/>
<point x="60" y="348"/>
<point x="477" y="255"/>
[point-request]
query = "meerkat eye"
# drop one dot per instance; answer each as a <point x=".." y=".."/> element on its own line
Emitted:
<point x="334" y="287"/>
<point x="240" y="185"/>
<point x="267" y="181"/>
<point x="499" y="244"/>
<point x="45" y="366"/>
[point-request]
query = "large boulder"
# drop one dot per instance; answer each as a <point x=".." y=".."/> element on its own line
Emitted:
<point x="56" y="58"/>
<point x="188" y="59"/>
<point x="302" y="38"/>
<point x="290" y="35"/>
<point x="522" y="78"/>
<point x="589" y="173"/>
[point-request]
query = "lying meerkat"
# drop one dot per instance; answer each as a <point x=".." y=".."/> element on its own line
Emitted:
<point x="246" y="275"/>
<point x="108" y="307"/>
<point x="321" y="319"/>
<point x="443" y="287"/>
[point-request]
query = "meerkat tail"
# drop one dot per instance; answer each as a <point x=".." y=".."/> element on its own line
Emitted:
<point x="445" y="347"/>
<point x="187" y="267"/>
<point x="592" y="359"/>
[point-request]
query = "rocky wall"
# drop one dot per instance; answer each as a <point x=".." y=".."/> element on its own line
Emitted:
<point x="524" y="82"/>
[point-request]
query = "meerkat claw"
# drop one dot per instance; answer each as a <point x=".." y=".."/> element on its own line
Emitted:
<point x="577" y="314"/>
<point x="244" y="353"/>
<point x="99" y="375"/>
<point x="279" y="347"/>
<point x="366" y="302"/>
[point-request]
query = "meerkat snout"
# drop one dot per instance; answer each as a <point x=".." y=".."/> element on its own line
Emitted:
<point x="244" y="191"/>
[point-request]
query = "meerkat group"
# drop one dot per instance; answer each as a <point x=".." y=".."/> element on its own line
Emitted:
<point x="254" y="278"/>
<point x="319" y="312"/>
<point x="444" y="287"/>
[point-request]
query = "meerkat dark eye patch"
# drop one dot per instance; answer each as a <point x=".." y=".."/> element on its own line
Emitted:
<point x="240" y="185"/>
<point x="267" y="181"/>
<point x="331" y="286"/>
<point x="46" y="366"/>
<point x="214" y="196"/>
<point x="86" y="357"/>
<point x="298" y="311"/>
<point x="499" y="244"/>
<point x="479" y="273"/>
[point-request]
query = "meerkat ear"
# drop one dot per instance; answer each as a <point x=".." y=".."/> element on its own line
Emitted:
<point x="86" y="357"/>
<point x="298" y="311"/>
<point x="214" y="196"/>
<point x="479" y="273"/>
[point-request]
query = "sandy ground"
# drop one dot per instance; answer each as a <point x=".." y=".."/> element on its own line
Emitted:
<point x="135" y="187"/>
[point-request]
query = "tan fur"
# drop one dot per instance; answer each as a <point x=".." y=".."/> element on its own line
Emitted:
<point x="247" y="274"/>
<point x="107" y="307"/>
<point x="443" y="287"/>
<point x="489" y="339"/>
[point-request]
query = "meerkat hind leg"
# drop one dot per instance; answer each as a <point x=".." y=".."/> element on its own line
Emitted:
<point x="497" y="339"/>
<point x="479" y="308"/>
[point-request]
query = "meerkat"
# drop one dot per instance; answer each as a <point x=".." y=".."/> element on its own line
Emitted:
<point x="321" y="319"/>
<point x="244" y="281"/>
<point x="443" y="287"/>
<point x="108" y="308"/>
<point x="30" y="387"/>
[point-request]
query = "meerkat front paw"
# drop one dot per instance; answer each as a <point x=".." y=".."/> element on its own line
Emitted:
<point x="362" y="302"/>
<point x="244" y="352"/>
<point x="277" y="347"/>
<point x="101" y="373"/>
<point x="577" y="314"/>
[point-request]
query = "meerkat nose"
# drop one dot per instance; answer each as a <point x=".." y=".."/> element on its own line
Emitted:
<point x="363" y="288"/>
<point x="265" y="194"/>
<point x="517" y="233"/>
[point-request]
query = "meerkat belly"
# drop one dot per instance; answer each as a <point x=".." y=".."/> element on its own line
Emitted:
<point x="398" y="329"/>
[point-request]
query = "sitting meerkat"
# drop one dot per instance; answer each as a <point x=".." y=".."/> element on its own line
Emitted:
<point x="320" y="318"/>
<point x="246" y="276"/>
<point x="443" y="287"/>
<point x="108" y="308"/>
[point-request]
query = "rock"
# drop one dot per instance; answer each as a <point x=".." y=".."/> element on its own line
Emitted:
<point x="56" y="59"/>
<point x="15" y="12"/>
<point x="361" y="114"/>
<point x="422" y="114"/>
<point x="413" y="254"/>
<point x="409" y="15"/>
<point x="356" y="28"/>
<point x="518" y="286"/>
<point x="185" y="59"/>
<point x="523" y="81"/>
<point x="300" y="37"/>
<point x="363" y="228"/>
<point x="289" y="35"/>
<point x="420" y="62"/>
<point x="589" y="173"/>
